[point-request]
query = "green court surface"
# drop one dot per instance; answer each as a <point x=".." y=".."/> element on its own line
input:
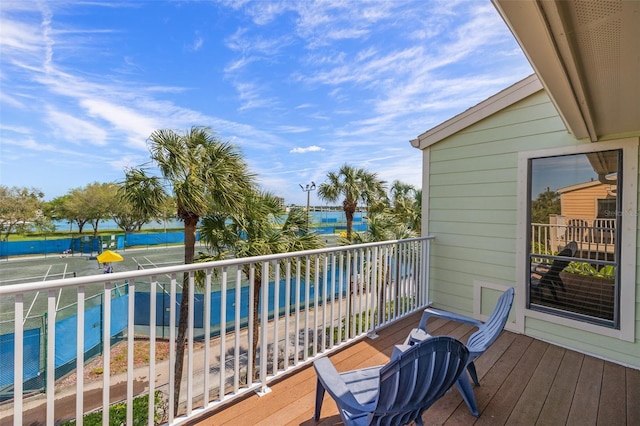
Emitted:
<point x="50" y="267"/>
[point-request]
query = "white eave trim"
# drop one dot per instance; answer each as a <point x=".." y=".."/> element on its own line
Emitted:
<point x="484" y="109"/>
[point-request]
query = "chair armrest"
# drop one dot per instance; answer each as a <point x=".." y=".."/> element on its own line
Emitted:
<point x="416" y="335"/>
<point x="335" y="386"/>
<point x="430" y="312"/>
<point x="398" y="350"/>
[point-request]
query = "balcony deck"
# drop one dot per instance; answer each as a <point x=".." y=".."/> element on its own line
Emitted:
<point x="523" y="381"/>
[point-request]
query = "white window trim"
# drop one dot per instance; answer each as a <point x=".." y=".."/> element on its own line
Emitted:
<point x="627" y="235"/>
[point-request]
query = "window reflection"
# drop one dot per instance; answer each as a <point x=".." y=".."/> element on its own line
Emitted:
<point x="573" y="218"/>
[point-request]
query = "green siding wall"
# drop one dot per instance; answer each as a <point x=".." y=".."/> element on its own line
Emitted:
<point x="473" y="215"/>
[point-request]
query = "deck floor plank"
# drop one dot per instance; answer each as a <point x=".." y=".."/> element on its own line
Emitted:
<point x="558" y="404"/>
<point x="633" y="396"/>
<point x="613" y="404"/>
<point x="584" y="409"/>
<point x="535" y="394"/>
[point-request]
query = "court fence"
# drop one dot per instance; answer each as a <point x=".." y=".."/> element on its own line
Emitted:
<point x="89" y="245"/>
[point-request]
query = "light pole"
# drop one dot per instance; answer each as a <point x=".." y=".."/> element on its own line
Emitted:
<point x="308" y="188"/>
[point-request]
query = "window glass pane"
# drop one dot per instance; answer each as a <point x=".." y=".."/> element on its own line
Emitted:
<point x="573" y="218"/>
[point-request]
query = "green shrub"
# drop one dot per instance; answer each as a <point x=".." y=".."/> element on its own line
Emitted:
<point x="586" y="269"/>
<point x="118" y="413"/>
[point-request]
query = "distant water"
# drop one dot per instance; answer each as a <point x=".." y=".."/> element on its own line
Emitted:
<point x="318" y="218"/>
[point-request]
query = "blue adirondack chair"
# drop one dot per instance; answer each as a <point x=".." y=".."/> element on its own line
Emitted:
<point x="477" y="343"/>
<point x="398" y="392"/>
<point x="549" y="276"/>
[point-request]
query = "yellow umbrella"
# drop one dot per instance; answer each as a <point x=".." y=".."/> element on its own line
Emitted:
<point x="109" y="256"/>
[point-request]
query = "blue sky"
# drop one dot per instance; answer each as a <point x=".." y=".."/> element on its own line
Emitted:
<point x="301" y="87"/>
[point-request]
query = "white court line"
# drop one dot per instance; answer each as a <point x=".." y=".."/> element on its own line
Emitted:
<point x="33" y="302"/>
<point x="154" y="265"/>
<point x="59" y="299"/>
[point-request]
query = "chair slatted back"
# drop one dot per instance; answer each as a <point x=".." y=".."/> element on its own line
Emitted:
<point x="417" y="378"/>
<point x="491" y="329"/>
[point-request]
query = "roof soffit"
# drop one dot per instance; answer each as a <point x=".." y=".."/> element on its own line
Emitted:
<point x="587" y="55"/>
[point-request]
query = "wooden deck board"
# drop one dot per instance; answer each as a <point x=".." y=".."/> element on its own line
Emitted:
<point x="558" y="403"/>
<point x="584" y="409"/>
<point x="613" y="409"/>
<point x="523" y="381"/>
<point x="633" y="396"/>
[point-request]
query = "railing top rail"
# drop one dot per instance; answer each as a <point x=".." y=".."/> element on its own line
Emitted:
<point x="176" y="269"/>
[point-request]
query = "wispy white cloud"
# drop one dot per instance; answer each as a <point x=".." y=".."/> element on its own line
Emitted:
<point x="251" y="96"/>
<point x="77" y="131"/>
<point x="312" y="148"/>
<point x="196" y="44"/>
<point x="136" y="126"/>
<point x="292" y="129"/>
<point x="23" y="130"/>
<point x="30" y="144"/>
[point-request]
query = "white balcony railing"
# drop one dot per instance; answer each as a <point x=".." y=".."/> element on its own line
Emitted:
<point x="596" y="238"/>
<point x="318" y="301"/>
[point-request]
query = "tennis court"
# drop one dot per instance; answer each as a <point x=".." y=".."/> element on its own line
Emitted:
<point x="51" y="267"/>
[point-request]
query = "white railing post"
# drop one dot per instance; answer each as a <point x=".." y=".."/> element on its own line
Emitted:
<point x="172" y="347"/>
<point x="80" y="356"/>
<point x="426" y="260"/>
<point x="250" y="325"/>
<point x="51" y="356"/>
<point x="106" y="350"/>
<point x="296" y="341"/>
<point x="152" y="345"/>
<point x="316" y="296"/>
<point x="131" y="309"/>
<point x="287" y="312"/>
<point x="372" y="293"/>
<point x="334" y="289"/>
<point x="190" y="325"/>
<point x="341" y="299"/>
<point x="264" y="320"/>
<point x="349" y="293"/>
<point x="18" y="359"/>
<point x="238" y="319"/>
<point x="307" y="291"/>
<point x="207" y="334"/>
<point x="276" y="317"/>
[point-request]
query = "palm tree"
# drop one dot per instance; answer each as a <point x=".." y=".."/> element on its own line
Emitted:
<point x="354" y="185"/>
<point x="253" y="232"/>
<point x="416" y="213"/>
<point x="382" y="226"/>
<point x="203" y="175"/>
<point x="406" y="203"/>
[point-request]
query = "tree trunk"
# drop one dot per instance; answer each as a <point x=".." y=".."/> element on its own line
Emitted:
<point x="94" y="225"/>
<point x="349" y="210"/>
<point x="181" y="341"/>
